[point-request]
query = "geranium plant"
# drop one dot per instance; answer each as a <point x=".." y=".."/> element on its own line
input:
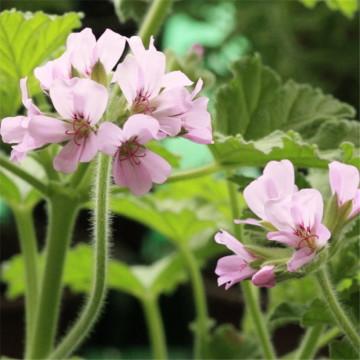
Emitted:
<point x="93" y="135"/>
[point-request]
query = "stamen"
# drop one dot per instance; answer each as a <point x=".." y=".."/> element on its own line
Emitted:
<point x="130" y="153"/>
<point x="81" y="129"/>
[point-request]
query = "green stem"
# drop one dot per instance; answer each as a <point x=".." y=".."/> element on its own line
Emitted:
<point x="201" y="326"/>
<point x="328" y="336"/>
<point x="63" y="208"/>
<point x="309" y="344"/>
<point x="154" y="19"/>
<point x="24" y="175"/>
<point x="28" y="244"/>
<point x="155" y="326"/>
<point x="251" y="302"/>
<point x="336" y="310"/>
<point x="91" y="311"/>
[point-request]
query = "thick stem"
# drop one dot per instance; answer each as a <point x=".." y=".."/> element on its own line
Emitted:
<point x="24" y="175"/>
<point x="29" y="250"/>
<point x="251" y="302"/>
<point x="62" y="213"/>
<point x="336" y="309"/>
<point x="309" y="344"/>
<point x="155" y="326"/>
<point x="154" y="19"/>
<point x="201" y="327"/>
<point x="91" y="311"/>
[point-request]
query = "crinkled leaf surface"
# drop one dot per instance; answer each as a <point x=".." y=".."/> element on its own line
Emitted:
<point x="342" y="350"/>
<point x="286" y="313"/>
<point x="276" y="146"/>
<point x="256" y="102"/>
<point x="26" y="41"/>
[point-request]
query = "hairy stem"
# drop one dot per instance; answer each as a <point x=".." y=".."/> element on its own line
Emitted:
<point x="155" y="326"/>
<point x="91" y="311"/>
<point x="201" y="325"/>
<point x="29" y="250"/>
<point x="63" y="208"/>
<point x="154" y="19"/>
<point x="252" y="305"/>
<point x="309" y="344"/>
<point x="24" y="175"/>
<point x="336" y="309"/>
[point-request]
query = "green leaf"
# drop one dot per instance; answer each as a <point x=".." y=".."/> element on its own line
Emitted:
<point x="256" y="102"/>
<point x="347" y="7"/>
<point x="26" y="41"/>
<point x="286" y="313"/>
<point x="130" y="9"/>
<point x="175" y="220"/>
<point x="317" y="313"/>
<point x="226" y="342"/>
<point x="342" y="350"/>
<point x="276" y="146"/>
<point x="172" y="159"/>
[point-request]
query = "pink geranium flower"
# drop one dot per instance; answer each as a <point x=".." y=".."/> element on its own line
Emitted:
<point x="81" y="104"/>
<point x="135" y="166"/>
<point x="14" y="130"/>
<point x="82" y="53"/>
<point x="298" y="220"/>
<point x="344" y="182"/>
<point x="149" y="91"/>
<point x="276" y="183"/>
<point x="235" y="268"/>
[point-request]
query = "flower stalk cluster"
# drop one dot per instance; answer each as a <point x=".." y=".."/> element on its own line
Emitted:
<point x="157" y="104"/>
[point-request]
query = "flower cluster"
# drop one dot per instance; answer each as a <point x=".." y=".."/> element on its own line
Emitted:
<point x="290" y="216"/>
<point x="158" y="105"/>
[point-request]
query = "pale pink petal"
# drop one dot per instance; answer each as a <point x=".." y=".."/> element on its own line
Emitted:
<point x="62" y="97"/>
<point x="28" y="143"/>
<point x="175" y="79"/>
<point x="323" y="234"/>
<point x="199" y="136"/>
<point x="285" y="237"/>
<point x="82" y="47"/>
<point x="344" y="181"/>
<point x="49" y="130"/>
<point x="109" y="137"/>
<point x="282" y="173"/>
<point x="13" y="129"/>
<point x="157" y="167"/>
<point x="168" y="125"/>
<point x="356" y="204"/>
<point x="232" y="269"/>
<point x="264" y="277"/>
<point x="233" y="244"/>
<point x="278" y="213"/>
<point x="16" y="156"/>
<point x="129" y="77"/>
<point x="109" y="48"/>
<point x="300" y="258"/>
<point x="136" y="46"/>
<point x="90" y="100"/>
<point x="89" y="148"/>
<point x="134" y="176"/>
<point x="144" y="127"/>
<point x="68" y="158"/>
<point x="198" y="116"/>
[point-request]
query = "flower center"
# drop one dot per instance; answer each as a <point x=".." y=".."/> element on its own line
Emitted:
<point x="306" y="238"/>
<point x="132" y="150"/>
<point x="141" y="105"/>
<point x="81" y="129"/>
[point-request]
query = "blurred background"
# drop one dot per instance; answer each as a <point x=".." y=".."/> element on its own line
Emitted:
<point x="316" y="46"/>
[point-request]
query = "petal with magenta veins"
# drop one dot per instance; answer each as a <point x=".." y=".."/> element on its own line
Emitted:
<point x="67" y="160"/>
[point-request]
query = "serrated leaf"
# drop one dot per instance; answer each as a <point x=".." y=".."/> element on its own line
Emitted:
<point x="342" y="350"/>
<point x="26" y="41"/>
<point x="276" y="146"/>
<point x="256" y="102"/>
<point x="347" y="7"/>
<point x="317" y="313"/>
